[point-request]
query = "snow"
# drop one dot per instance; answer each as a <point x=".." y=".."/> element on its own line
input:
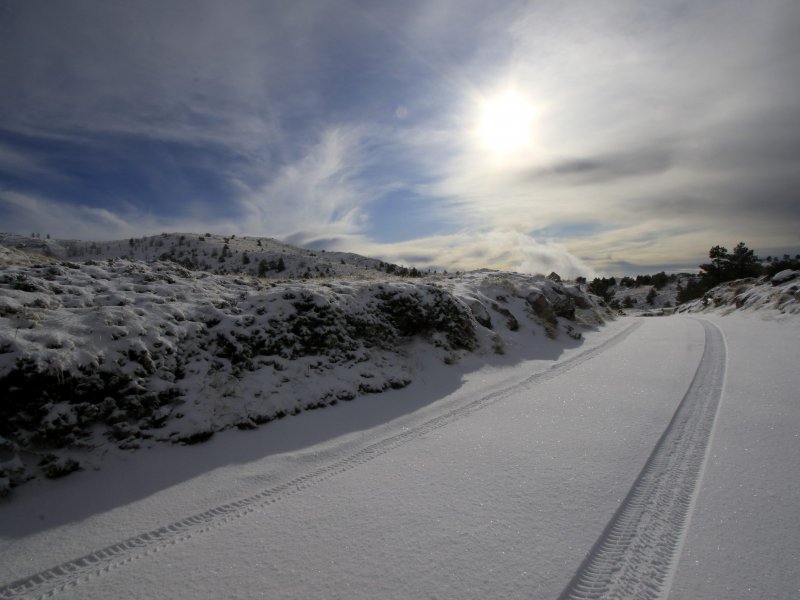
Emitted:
<point x="511" y="446"/>
<point x="744" y="538"/>
<point x="784" y="276"/>
<point x="117" y="355"/>
<point x="663" y="299"/>
<point x="209" y="253"/>
<point x="502" y="470"/>
<point x="775" y="299"/>
<point x="448" y="497"/>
